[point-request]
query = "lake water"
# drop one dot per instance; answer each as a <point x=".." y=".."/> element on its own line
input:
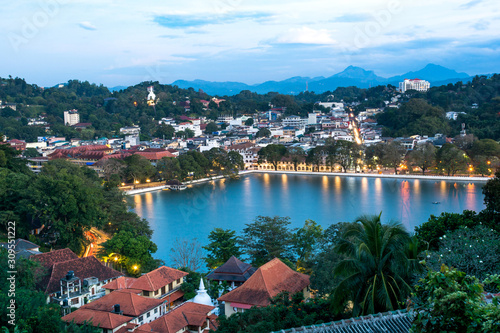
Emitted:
<point x="230" y="204"/>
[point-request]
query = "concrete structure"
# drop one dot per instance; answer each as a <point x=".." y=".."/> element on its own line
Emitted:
<point x="71" y="117"/>
<point x="295" y="121"/>
<point x="414" y="84"/>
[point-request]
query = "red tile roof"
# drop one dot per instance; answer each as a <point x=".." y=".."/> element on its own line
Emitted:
<point x="268" y="281"/>
<point x="153" y="156"/>
<point x="131" y="304"/>
<point x="48" y="259"/>
<point x="122" y="282"/>
<point x="83" y="268"/>
<point x="158" y="278"/>
<point x="105" y="320"/>
<point x="189" y="313"/>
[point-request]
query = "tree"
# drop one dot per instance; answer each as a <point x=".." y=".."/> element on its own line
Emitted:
<point x="373" y="273"/>
<point x="392" y="155"/>
<point x="475" y="251"/>
<point x="249" y="122"/>
<point x="112" y="166"/>
<point x="263" y="133"/>
<point x="448" y="300"/>
<point x="315" y="157"/>
<point x="168" y="168"/>
<point x="438" y="226"/>
<point x="186" y="253"/>
<point x="322" y="278"/>
<point x="189" y="133"/>
<point x="131" y="251"/>
<point x="223" y="244"/>
<point x="423" y="156"/>
<point x="267" y="238"/>
<point x="165" y="131"/>
<point x="272" y="154"/>
<point x="345" y="153"/>
<point x="211" y="127"/>
<point x="297" y="155"/>
<point x="450" y="159"/>
<point x="138" y="168"/>
<point x="491" y="193"/>
<point x="304" y="242"/>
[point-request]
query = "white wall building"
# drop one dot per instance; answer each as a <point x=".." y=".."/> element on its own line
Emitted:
<point x="130" y="130"/>
<point x="71" y="117"/>
<point x="295" y="121"/>
<point x="414" y="84"/>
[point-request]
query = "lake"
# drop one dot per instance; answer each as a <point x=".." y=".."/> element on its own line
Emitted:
<point x="231" y="203"/>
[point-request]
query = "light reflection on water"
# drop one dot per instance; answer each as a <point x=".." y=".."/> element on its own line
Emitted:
<point x="230" y="204"/>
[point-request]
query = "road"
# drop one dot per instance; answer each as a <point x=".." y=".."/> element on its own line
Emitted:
<point x="96" y="237"/>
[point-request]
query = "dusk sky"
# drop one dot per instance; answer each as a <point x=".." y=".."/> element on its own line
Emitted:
<point x="122" y="42"/>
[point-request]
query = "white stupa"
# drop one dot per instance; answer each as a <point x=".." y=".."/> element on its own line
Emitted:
<point x="202" y="297"/>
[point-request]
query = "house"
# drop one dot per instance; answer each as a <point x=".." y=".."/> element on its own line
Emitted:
<point x="267" y="282"/>
<point x="130" y="130"/>
<point x="73" y="280"/>
<point x="234" y="272"/>
<point x="188" y="317"/>
<point x="22" y="248"/>
<point x="162" y="283"/>
<point x="141" y="309"/>
<point x="109" y="322"/>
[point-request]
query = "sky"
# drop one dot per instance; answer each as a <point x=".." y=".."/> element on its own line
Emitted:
<point x="122" y="42"/>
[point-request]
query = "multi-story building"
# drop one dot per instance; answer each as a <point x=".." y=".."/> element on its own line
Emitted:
<point x="414" y="84"/>
<point x="71" y="117"/>
<point x="295" y="121"/>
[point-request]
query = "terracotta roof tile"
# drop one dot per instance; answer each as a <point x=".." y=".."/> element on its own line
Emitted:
<point x="105" y="320"/>
<point x="122" y="282"/>
<point x="173" y="296"/>
<point x="158" y="278"/>
<point x="48" y="259"/>
<point x="186" y="314"/>
<point x="131" y="304"/>
<point x="83" y="268"/>
<point x="268" y="281"/>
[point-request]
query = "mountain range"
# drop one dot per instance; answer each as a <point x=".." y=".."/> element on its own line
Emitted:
<point x="351" y="76"/>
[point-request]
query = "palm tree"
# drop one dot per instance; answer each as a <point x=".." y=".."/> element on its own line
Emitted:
<point x="374" y="275"/>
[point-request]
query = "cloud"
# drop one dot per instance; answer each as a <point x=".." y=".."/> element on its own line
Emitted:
<point x="179" y="21"/>
<point x="470" y="4"/>
<point x="481" y="25"/>
<point x="87" y="26"/>
<point x="347" y="18"/>
<point x="306" y="35"/>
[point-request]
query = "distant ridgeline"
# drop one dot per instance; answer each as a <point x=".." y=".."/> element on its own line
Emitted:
<point x="103" y="112"/>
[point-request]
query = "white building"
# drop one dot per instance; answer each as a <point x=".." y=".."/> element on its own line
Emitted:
<point x="192" y="126"/>
<point x="295" y="121"/>
<point x="332" y="105"/>
<point x="130" y="130"/>
<point x="71" y="117"/>
<point x="414" y="84"/>
<point x="452" y="115"/>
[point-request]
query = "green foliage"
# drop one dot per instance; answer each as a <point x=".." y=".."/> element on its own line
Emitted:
<point x="272" y="154"/>
<point x="451" y="301"/>
<point x="416" y="116"/>
<point x="475" y="251"/>
<point x="374" y="272"/>
<point x="304" y="242"/>
<point x="191" y="283"/>
<point x="249" y="122"/>
<point x="223" y="244"/>
<point x="285" y="311"/>
<point x="423" y="156"/>
<point x="138" y="168"/>
<point x="491" y="193"/>
<point x="211" y="127"/>
<point x="133" y="252"/>
<point x="451" y="159"/>
<point x="267" y="238"/>
<point x="263" y="133"/>
<point x="436" y="227"/>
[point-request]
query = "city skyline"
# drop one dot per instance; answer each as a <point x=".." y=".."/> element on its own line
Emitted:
<point x="123" y="42"/>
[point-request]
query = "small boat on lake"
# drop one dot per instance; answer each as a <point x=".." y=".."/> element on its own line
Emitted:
<point x="175" y="185"/>
<point x="436" y="202"/>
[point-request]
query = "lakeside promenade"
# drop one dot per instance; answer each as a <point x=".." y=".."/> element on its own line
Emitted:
<point x="309" y="173"/>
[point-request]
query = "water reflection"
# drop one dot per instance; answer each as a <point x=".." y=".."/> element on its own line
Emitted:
<point x="405" y="203"/>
